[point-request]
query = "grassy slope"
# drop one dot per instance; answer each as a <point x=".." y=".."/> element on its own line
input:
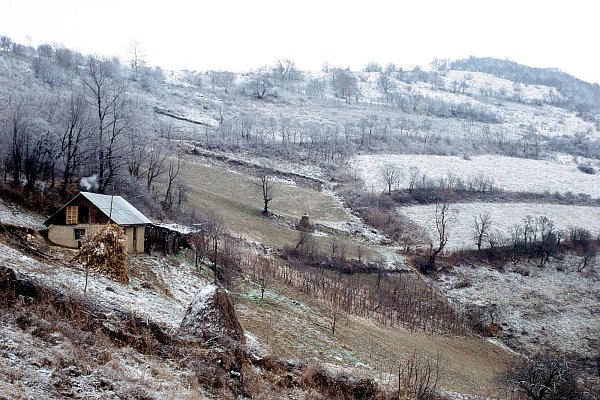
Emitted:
<point x="294" y="325"/>
<point x="236" y="199"/>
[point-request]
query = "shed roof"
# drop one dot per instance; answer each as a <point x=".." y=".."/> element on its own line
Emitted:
<point x="122" y="213"/>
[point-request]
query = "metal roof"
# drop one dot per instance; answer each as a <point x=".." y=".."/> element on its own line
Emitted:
<point x="123" y="213"/>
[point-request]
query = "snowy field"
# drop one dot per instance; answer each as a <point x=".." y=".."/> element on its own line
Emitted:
<point x="504" y="217"/>
<point x="179" y="279"/>
<point x="12" y="214"/>
<point x="508" y="173"/>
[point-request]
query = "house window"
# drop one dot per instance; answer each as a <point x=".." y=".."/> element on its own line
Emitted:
<point x="78" y="233"/>
<point x="83" y="215"/>
<point x="72" y="215"/>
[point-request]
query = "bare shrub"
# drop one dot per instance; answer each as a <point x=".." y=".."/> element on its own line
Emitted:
<point x="586" y="169"/>
<point x="340" y="386"/>
<point x="544" y="376"/>
<point x="418" y="378"/>
<point x="463" y="283"/>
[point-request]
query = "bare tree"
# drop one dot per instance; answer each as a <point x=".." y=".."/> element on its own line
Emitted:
<point x="155" y="164"/>
<point x="443" y="216"/>
<point x="415" y="175"/>
<point x="338" y="249"/>
<point x="285" y="70"/>
<point x="481" y="228"/>
<point x="266" y="184"/>
<point x="418" y="378"/>
<point x="585" y="246"/>
<point x="200" y="245"/>
<point x="334" y="303"/>
<point x="390" y="174"/>
<point x="316" y="88"/>
<point x="15" y="125"/>
<point x="136" y="147"/>
<point x="173" y="172"/>
<point x="6" y="43"/>
<point x="264" y="265"/>
<point x="204" y="241"/>
<point x="137" y="62"/>
<point x="76" y="130"/>
<point x="373" y="66"/>
<point x="441" y="65"/>
<point x="223" y="79"/>
<point x="182" y="194"/>
<point x="549" y="238"/>
<point x="385" y="83"/>
<point x="107" y="94"/>
<point x="215" y="235"/>
<point x="261" y="82"/>
<point x="360" y="251"/>
<point x="39" y="146"/>
<point x="245" y="124"/>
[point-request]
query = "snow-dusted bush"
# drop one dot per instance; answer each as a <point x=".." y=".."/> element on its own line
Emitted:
<point x="586" y="169"/>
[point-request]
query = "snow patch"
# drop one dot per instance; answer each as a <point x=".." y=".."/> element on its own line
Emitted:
<point x="508" y="173"/>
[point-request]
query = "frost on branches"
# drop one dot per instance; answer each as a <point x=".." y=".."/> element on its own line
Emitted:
<point x="105" y="252"/>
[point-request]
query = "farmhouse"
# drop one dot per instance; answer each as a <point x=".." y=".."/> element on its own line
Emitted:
<point x="86" y="212"/>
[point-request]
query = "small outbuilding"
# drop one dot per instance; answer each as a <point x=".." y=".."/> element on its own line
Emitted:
<point x="87" y="212"/>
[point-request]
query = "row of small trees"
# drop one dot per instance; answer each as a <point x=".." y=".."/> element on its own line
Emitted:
<point x="536" y="237"/>
<point x="391" y="299"/>
<point x="392" y="175"/>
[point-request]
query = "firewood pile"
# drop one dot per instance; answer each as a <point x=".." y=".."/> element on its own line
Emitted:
<point x="104" y="251"/>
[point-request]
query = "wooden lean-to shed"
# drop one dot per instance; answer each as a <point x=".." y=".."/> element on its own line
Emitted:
<point x="87" y="212"/>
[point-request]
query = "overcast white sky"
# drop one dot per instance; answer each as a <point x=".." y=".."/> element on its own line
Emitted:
<point x="245" y="34"/>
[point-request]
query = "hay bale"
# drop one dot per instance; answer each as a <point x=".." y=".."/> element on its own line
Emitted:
<point x="212" y="317"/>
<point x="212" y="320"/>
<point x="304" y="225"/>
<point x="105" y="252"/>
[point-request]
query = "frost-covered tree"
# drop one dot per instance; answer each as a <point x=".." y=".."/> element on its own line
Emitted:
<point x="285" y="71"/>
<point x="137" y="62"/>
<point x="261" y="82"/>
<point x="344" y="84"/>
<point x="482" y="224"/>
<point x="390" y="174"/>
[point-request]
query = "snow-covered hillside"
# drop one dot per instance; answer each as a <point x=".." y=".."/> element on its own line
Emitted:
<point x="535" y="307"/>
<point x="13" y="214"/>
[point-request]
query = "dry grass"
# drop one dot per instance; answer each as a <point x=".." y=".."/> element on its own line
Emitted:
<point x="293" y="325"/>
<point x="76" y="345"/>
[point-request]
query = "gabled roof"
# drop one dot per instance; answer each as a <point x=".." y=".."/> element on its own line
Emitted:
<point x="122" y="213"/>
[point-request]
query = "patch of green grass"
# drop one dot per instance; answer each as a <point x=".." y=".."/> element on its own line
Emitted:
<point x="235" y="199"/>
